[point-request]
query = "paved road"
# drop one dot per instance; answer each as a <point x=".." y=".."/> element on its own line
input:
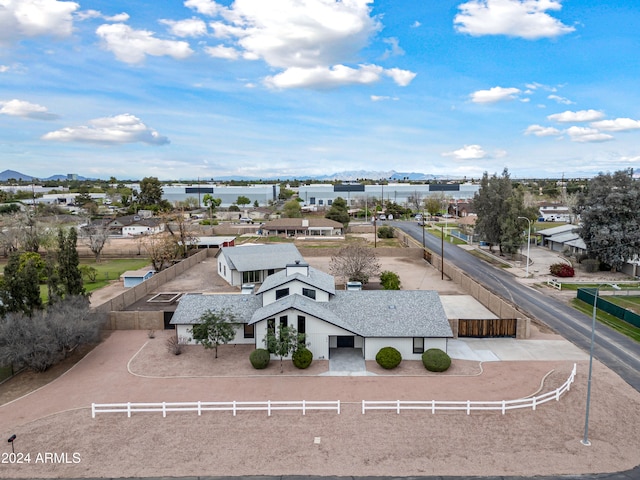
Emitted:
<point x="619" y="353"/>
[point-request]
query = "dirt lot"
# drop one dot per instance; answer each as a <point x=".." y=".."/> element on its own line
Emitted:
<point x="128" y="366"/>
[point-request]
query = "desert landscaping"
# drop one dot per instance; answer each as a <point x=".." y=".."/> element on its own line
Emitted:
<point x="130" y="367"/>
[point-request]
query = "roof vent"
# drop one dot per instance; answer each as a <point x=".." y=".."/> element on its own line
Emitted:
<point x="247" y="288"/>
<point x="354" y="286"/>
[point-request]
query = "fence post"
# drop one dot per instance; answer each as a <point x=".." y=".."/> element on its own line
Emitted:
<point x="128" y="409"/>
<point x="164" y="410"/>
<point x="304" y="404"/>
<point x="504" y="404"/>
<point x="93" y="410"/>
<point x="199" y="408"/>
<point x="268" y="408"/>
<point x="398" y="407"/>
<point x="234" y="408"/>
<point x="363" y="407"/>
<point x="338" y="407"/>
<point x="433" y="407"/>
<point x="468" y="407"/>
<point x="533" y="403"/>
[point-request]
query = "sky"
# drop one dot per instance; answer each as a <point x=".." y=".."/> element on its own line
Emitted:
<point x="291" y="88"/>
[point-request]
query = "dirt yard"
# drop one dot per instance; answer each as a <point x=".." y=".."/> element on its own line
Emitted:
<point x="128" y="366"/>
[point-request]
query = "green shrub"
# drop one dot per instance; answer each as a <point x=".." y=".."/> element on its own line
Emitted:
<point x="388" y="357"/>
<point x="390" y="280"/>
<point x="386" y="232"/>
<point x="259" y="358"/>
<point x="302" y="357"/>
<point x="435" y="360"/>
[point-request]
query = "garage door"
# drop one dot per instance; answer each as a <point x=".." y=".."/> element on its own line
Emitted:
<point x="499" y="327"/>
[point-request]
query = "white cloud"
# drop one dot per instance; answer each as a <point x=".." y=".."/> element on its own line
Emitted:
<point x="325" y="77"/>
<point x="310" y="42"/>
<point x="495" y="94"/>
<point x="119" y="129"/>
<point x="579" y="116"/>
<point x="191" y="27"/>
<point x="205" y="7"/>
<point x="516" y="18"/>
<point x="617" y="125"/>
<point x="32" y="18"/>
<point x="131" y="46"/>
<point x="4" y="68"/>
<point x="20" y="108"/>
<point x="88" y="14"/>
<point x="540" y="131"/>
<point x="559" y="99"/>
<point x="220" y="51"/>
<point x="416" y="24"/>
<point x="400" y="77"/>
<point x="468" y="152"/>
<point x="381" y="98"/>
<point x="394" y="50"/>
<point x="584" y="134"/>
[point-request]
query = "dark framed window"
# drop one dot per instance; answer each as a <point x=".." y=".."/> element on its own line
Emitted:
<point x="312" y="201"/>
<point x="309" y="292"/>
<point x="252" y="276"/>
<point x="249" y="331"/>
<point x="271" y="325"/>
<point x="284" y="322"/>
<point x="283" y="292"/>
<point x="302" y="324"/>
<point x="418" y="345"/>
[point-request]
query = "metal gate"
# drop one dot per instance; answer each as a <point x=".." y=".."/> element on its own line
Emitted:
<point x="498" y="327"/>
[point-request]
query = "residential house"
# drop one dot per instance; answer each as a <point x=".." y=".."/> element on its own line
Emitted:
<point x="314" y="226"/>
<point x="132" y="278"/>
<point x="306" y="298"/>
<point x="134" y="225"/>
<point x="254" y="263"/>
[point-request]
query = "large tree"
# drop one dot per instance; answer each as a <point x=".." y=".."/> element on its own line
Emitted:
<point x="150" y="191"/>
<point x="609" y="215"/>
<point x="292" y="209"/>
<point x="355" y="263"/>
<point x="214" y="329"/>
<point x="339" y="212"/>
<point x="69" y="263"/>
<point x="19" y="286"/>
<point x="96" y="237"/>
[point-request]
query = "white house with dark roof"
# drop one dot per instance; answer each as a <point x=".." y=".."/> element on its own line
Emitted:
<point x="306" y="298"/>
<point x="254" y="263"/>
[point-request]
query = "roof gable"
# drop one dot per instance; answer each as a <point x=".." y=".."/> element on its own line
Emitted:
<point x="316" y="278"/>
<point x="246" y="258"/>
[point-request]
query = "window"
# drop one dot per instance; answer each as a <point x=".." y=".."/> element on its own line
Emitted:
<point x="283" y="322"/>
<point x="302" y="324"/>
<point x="271" y="325"/>
<point x="283" y="292"/>
<point x="320" y="202"/>
<point x="309" y="292"/>
<point x="312" y="201"/>
<point x="418" y="345"/>
<point x="251" y="277"/>
<point x="249" y="331"/>
<point x="329" y="202"/>
<point x="219" y="268"/>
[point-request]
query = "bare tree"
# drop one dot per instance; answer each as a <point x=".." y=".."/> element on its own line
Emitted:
<point x="97" y="236"/>
<point x="178" y="227"/>
<point x="162" y="250"/>
<point x="355" y="263"/>
<point x="415" y="201"/>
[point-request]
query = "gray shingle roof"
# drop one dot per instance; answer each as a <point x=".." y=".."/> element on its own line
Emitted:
<point x="246" y="258"/>
<point x="192" y="306"/>
<point x="373" y="313"/>
<point x="316" y="278"/>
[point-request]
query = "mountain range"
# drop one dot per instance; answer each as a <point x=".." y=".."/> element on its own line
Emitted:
<point x="344" y="176"/>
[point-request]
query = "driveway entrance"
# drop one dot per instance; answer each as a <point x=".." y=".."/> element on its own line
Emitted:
<point x="346" y="361"/>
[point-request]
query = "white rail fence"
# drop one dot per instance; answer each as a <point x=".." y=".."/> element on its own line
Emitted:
<point x="468" y="406"/>
<point x="164" y="407"/>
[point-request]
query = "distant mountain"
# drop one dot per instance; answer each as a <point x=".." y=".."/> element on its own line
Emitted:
<point x="7" y="174"/>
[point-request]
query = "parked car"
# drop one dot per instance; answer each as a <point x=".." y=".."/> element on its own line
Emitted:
<point x="382" y="217"/>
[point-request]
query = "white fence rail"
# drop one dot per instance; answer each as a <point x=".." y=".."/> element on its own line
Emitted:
<point x="164" y="407"/>
<point x="468" y="406"/>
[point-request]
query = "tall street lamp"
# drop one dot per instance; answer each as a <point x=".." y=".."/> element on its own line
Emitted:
<point x="585" y="441"/>
<point x="528" y="242"/>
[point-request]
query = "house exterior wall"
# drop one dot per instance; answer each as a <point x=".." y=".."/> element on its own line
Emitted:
<point x="294" y="287"/>
<point x="224" y="270"/>
<point x="318" y="332"/>
<point x="133" y="230"/>
<point x="403" y="345"/>
<point x="186" y="337"/>
<point x="133" y="281"/>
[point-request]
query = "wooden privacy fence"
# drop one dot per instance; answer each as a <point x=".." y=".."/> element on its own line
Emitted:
<point x="495" y="327"/>
<point x="468" y="405"/>
<point x="200" y="407"/>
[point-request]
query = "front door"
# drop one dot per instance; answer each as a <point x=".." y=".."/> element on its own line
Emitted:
<point x="346" y="341"/>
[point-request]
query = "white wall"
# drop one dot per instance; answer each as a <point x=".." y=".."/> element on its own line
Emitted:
<point x="294" y="286"/>
<point x="184" y="332"/>
<point x="403" y="345"/>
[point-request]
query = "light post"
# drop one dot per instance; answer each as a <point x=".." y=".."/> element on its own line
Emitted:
<point x="528" y="242"/>
<point x="585" y="441"/>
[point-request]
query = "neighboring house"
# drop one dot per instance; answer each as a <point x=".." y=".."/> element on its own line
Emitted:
<point x="213" y="242"/>
<point x="254" y="263"/>
<point x="315" y="226"/>
<point x="132" y="278"/>
<point x="552" y="212"/>
<point x="134" y="225"/>
<point x="306" y="298"/>
<point x="555" y="238"/>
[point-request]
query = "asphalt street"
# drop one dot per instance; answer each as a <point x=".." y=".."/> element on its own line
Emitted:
<point x="616" y="351"/>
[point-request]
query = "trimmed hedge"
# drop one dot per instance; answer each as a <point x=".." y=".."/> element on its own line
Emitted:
<point x="562" y="270"/>
<point x="260" y="358"/>
<point x="302" y="358"/>
<point x="388" y="357"/>
<point x="435" y="360"/>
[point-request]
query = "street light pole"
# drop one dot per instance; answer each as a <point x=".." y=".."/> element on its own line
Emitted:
<point x="585" y="441"/>
<point x="528" y="242"/>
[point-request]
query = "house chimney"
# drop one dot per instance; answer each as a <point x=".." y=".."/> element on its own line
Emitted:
<point x="298" y="267"/>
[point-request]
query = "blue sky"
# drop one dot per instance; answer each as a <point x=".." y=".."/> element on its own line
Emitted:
<point x="287" y="88"/>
